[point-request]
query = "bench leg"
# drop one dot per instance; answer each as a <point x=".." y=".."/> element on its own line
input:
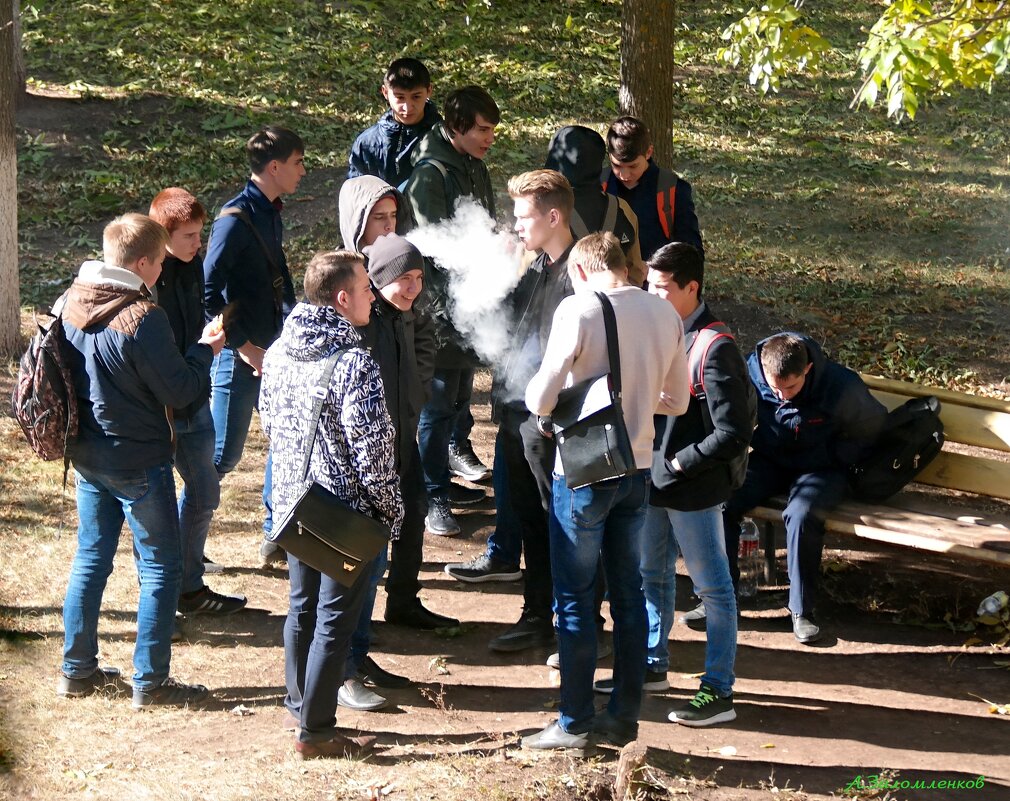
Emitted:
<point x="768" y="544"/>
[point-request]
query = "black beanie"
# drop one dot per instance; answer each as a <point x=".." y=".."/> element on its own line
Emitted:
<point x="389" y="257"/>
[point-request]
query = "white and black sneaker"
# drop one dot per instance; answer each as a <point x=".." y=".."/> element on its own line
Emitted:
<point x="483" y="568"/>
<point x="463" y="462"/>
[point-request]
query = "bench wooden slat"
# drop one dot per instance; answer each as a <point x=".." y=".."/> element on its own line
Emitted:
<point x="946" y="396"/>
<point x="968" y="474"/>
<point x="983" y="428"/>
<point x="974" y="538"/>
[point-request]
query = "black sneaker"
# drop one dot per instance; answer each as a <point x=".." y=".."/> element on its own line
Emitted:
<point x="463" y="462"/>
<point x="103" y="678"/>
<point x="529" y="632"/>
<point x="465" y="496"/>
<point x="439" y="520"/>
<point x="654" y="683"/>
<point x="483" y="568"/>
<point x="705" y="709"/>
<point x="170" y="692"/>
<point x="207" y="602"/>
<point x="371" y="674"/>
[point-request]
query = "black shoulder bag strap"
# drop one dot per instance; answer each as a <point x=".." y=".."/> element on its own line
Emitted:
<point x="275" y="270"/>
<point x="613" y="348"/>
<point x="319" y="393"/>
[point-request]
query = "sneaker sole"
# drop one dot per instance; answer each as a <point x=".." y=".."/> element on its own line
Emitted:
<point x="446" y="533"/>
<point x="722" y="717"/>
<point x="471" y="477"/>
<point x="648" y="687"/>
<point x="484" y="577"/>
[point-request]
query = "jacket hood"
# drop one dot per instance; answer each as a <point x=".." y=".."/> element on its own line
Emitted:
<point x="577" y="153"/>
<point x="315" y="332"/>
<point x="357" y="198"/>
<point x="814" y="377"/>
<point x="99" y="291"/>
<point x="389" y="123"/>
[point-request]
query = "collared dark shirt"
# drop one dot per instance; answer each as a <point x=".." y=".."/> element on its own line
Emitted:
<point x="180" y="294"/>
<point x="237" y="274"/>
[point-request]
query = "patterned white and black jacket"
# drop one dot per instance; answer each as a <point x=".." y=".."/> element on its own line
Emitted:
<point x="353" y="453"/>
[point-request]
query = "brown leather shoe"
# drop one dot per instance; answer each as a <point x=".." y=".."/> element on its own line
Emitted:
<point x="340" y="746"/>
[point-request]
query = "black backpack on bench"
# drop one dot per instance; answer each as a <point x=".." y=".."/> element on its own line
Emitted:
<point x="911" y="438"/>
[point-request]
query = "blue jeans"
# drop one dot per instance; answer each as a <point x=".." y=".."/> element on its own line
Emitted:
<point x="444" y="419"/>
<point x="144" y="498"/>
<point x="201" y="492"/>
<point x="698" y="535"/>
<point x="235" y="392"/>
<point x="604" y="518"/>
<point x="321" y="616"/>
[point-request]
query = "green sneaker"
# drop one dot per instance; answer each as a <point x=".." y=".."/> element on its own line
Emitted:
<point x="705" y="709"/>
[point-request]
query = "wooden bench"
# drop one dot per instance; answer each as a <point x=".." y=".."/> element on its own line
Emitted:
<point x="974" y="526"/>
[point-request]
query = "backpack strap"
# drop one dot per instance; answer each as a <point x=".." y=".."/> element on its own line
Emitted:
<point x="610" y="218"/>
<point x="699" y="343"/>
<point x="446" y="180"/>
<point x="275" y="271"/>
<point x="666" y="200"/>
<point x="578" y="225"/>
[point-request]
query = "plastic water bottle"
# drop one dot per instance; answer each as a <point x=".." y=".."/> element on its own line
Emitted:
<point x="748" y="559"/>
<point x="992" y="606"/>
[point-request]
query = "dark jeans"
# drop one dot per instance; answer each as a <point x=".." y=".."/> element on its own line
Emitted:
<point x="810" y="496"/>
<point x="321" y="616"/>
<point x="402" y="585"/>
<point x="524" y="479"/>
<point x="505" y="543"/>
<point x="444" y="419"/>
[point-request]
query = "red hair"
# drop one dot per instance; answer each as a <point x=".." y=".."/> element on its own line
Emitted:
<point x="175" y="206"/>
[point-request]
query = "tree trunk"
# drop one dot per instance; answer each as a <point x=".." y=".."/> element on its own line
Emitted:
<point x="10" y="322"/>
<point x="647" y="36"/>
<point x="20" y="71"/>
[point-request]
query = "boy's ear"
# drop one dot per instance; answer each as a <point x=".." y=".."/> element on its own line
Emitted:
<point x="649" y="152"/>
<point x="385" y="91"/>
<point x="430" y="87"/>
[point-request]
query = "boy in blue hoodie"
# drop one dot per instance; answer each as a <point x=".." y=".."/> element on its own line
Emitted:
<point x="384" y="149"/>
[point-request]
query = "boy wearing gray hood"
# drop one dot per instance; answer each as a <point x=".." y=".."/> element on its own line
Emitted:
<point x="373" y="216"/>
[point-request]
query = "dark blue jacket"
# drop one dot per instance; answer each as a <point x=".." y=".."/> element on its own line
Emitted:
<point x="180" y="294"/>
<point x="238" y="275"/>
<point x="644" y="201"/>
<point x="127" y="371"/>
<point x="384" y="149"/>
<point x="827" y="426"/>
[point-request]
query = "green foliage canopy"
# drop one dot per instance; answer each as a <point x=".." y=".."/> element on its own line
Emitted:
<point x="916" y="49"/>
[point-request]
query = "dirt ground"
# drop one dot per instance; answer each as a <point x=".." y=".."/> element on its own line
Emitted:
<point x="887" y="692"/>
<point x="876" y="696"/>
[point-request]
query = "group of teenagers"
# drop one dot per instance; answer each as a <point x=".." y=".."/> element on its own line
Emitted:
<point x="170" y="353"/>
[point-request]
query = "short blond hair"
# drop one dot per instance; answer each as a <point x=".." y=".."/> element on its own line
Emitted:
<point x="128" y="239"/>
<point x="546" y="189"/>
<point x="598" y="253"/>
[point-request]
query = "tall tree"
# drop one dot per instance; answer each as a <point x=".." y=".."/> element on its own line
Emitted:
<point x="9" y="301"/>
<point x="646" y="91"/>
